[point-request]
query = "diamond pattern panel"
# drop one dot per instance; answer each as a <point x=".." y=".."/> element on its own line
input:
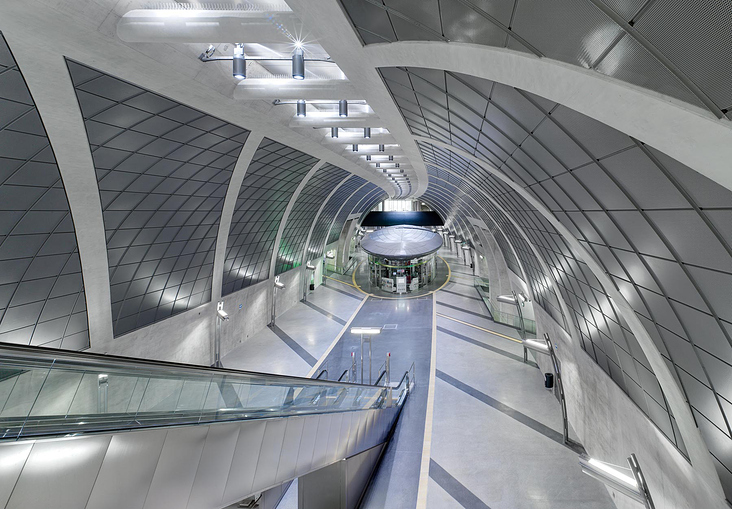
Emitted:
<point x="693" y="35"/>
<point x="303" y="213"/>
<point x="327" y="215"/>
<point x="162" y="169"/>
<point x="349" y="207"/>
<point x="272" y="177"/>
<point x="641" y="214"/>
<point x="42" y="300"/>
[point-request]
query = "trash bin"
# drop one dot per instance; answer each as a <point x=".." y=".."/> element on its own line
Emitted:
<point x="549" y="380"/>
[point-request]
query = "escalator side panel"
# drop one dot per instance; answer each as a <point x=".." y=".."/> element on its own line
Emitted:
<point x="249" y="446"/>
<point x="290" y="448"/>
<point x="59" y="473"/>
<point x="130" y="460"/>
<point x="269" y="455"/>
<point x="320" y="450"/>
<point x="214" y="465"/>
<point x="13" y="459"/>
<point x="333" y="438"/>
<point x="307" y="444"/>
<point x="176" y="469"/>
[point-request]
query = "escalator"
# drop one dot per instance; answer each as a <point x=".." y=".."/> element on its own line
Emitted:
<point x="89" y="431"/>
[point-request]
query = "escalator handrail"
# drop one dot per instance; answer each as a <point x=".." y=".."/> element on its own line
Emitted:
<point x="41" y="357"/>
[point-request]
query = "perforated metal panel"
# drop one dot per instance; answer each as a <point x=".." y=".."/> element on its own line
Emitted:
<point x="273" y="175"/>
<point x="680" y="49"/>
<point x="327" y="215"/>
<point x="303" y="213"/>
<point x="641" y="214"/>
<point x="42" y="299"/>
<point x="163" y="169"/>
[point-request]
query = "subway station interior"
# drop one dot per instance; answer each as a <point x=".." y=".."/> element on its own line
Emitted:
<point x="366" y="254"/>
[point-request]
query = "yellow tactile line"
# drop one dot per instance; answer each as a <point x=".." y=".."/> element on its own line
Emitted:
<point x="424" y="470"/>
<point x="355" y="285"/>
<point x="338" y="337"/>
<point x="481" y="328"/>
<point x="341" y="281"/>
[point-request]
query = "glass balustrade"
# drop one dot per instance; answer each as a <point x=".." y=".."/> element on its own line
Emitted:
<point x="51" y="392"/>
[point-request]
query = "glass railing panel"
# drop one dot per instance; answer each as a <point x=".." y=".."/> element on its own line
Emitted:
<point x="47" y="393"/>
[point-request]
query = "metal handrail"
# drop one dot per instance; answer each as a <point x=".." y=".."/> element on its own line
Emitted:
<point x="382" y="375"/>
<point x="321" y="374"/>
<point x="345" y="372"/>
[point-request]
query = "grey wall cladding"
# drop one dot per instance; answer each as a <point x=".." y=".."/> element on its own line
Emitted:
<point x="327" y="215"/>
<point x="630" y="42"/>
<point x="42" y="300"/>
<point x="272" y="177"/>
<point x="660" y="230"/>
<point x="163" y="169"/>
<point x="303" y="213"/>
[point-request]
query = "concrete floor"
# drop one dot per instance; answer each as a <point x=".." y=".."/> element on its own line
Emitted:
<point x="496" y="432"/>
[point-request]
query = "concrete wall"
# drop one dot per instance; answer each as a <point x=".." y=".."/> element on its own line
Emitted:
<point x="188" y="337"/>
<point x="611" y="427"/>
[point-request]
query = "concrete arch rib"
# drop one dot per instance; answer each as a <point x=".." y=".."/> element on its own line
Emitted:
<point x="232" y="193"/>
<point x="698" y="452"/>
<point x="286" y="215"/>
<point x="691" y="135"/>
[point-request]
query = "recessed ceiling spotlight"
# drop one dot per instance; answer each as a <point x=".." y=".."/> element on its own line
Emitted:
<point x="381" y="148"/>
<point x="239" y="63"/>
<point x="301" y="108"/>
<point x="342" y="108"/>
<point x="396" y="165"/>
<point x="298" y="64"/>
<point x="368" y="157"/>
<point x="355" y="148"/>
<point x="391" y="158"/>
<point x="333" y="132"/>
<point x="367" y="132"/>
<point x="378" y="165"/>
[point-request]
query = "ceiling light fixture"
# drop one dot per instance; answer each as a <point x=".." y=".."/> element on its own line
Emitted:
<point x="367" y="132"/>
<point x="342" y="108"/>
<point x="301" y="108"/>
<point x="355" y="148"/>
<point x="381" y="148"/>
<point x="239" y="63"/>
<point x="298" y="64"/>
<point x="368" y="157"/>
<point x="333" y="132"/>
<point x="378" y="165"/>
<point x="396" y="165"/>
<point x="391" y="158"/>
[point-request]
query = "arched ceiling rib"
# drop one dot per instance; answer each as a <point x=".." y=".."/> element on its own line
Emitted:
<point x="640" y="213"/>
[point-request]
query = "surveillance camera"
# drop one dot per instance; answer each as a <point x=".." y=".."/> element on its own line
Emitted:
<point x="222" y="314"/>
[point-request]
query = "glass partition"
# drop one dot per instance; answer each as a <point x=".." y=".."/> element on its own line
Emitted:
<point x="51" y="392"/>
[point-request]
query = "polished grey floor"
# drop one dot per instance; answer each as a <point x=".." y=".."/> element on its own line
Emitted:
<point x="496" y="432"/>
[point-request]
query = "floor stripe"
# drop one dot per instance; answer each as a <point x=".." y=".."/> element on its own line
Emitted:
<point x="501" y="407"/>
<point x="480" y="328"/>
<point x="463" y="310"/>
<point x="463" y="273"/>
<point x="424" y="469"/>
<point x="336" y="340"/>
<point x="324" y="312"/>
<point x="344" y="292"/>
<point x="463" y="295"/>
<point x="299" y="350"/>
<point x="342" y="282"/>
<point x="455" y="488"/>
<point x="486" y="346"/>
<point x="461" y="284"/>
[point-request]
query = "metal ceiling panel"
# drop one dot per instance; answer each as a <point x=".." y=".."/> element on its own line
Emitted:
<point x="272" y="177"/>
<point x="162" y="169"/>
<point x="327" y="215"/>
<point x="302" y="215"/>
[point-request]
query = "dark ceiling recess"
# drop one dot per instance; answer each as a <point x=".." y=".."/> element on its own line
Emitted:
<point x="396" y="218"/>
